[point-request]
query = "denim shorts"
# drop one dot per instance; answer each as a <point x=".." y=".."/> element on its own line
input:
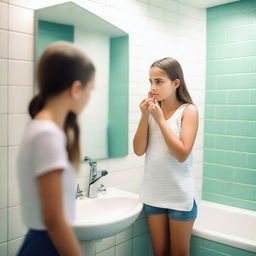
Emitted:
<point x="172" y="214"/>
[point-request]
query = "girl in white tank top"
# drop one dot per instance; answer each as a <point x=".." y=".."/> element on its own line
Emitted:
<point x="166" y="133"/>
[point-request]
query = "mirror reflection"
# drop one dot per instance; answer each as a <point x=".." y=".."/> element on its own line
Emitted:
<point x="104" y="123"/>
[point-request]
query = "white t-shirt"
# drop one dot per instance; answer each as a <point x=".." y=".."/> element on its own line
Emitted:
<point x="43" y="149"/>
<point x="167" y="183"/>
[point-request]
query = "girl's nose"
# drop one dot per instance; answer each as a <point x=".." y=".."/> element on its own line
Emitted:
<point x="153" y="87"/>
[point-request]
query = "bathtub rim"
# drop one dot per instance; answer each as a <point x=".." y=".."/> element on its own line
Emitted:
<point x="237" y="242"/>
<point x="227" y="207"/>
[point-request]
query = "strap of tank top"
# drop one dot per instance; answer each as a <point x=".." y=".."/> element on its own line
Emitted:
<point x="181" y="109"/>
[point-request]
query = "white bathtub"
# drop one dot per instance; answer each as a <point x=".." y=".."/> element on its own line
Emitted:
<point x="227" y="225"/>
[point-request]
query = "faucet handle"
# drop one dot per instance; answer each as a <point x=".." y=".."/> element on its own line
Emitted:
<point x="91" y="162"/>
<point x="87" y="158"/>
<point x="103" y="172"/>
<point x="79" y="192"/>
<point x="102" y="189"/>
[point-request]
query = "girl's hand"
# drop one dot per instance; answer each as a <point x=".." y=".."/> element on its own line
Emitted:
<point x="145" y="104"/>
<point x="155" y="110"/>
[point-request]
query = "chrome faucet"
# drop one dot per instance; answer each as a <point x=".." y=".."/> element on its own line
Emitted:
<point x="95" y="175"/>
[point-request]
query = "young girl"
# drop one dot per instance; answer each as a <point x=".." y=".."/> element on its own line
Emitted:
<point x="50" y="150"/>
<point x="166" y="132"/>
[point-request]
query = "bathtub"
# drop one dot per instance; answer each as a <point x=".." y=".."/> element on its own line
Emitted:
<point x="226" y="225"/>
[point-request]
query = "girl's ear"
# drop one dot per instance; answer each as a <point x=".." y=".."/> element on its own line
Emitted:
<point x="176" y="83"/>
<point x="75" y="89"/>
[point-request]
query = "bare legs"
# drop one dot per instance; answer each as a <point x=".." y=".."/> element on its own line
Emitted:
<point x="159" y="232"/>
<point x="169" y="237"/>
<point x="180" y="234"/>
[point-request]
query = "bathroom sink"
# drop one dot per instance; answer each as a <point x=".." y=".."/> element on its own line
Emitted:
<point x="106" y="215"/>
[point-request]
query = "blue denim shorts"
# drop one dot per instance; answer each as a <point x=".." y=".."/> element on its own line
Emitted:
<point x="172" y="214"/>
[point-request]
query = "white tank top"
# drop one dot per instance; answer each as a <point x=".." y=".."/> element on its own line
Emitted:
<point x="167" y="183"/>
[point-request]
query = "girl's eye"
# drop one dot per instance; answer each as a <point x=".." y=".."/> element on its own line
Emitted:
<point x="159" y="82"/>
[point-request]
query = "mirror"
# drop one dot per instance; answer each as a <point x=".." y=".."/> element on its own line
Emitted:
<point x="104" y="122"/>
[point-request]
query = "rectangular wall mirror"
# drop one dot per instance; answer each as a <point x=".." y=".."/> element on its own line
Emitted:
<point x="104" y="122"/>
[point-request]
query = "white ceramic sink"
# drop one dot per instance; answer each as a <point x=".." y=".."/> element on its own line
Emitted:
<point x="106" y="215"/>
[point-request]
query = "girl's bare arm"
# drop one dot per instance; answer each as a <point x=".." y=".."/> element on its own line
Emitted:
<point x="181" y="147"/>
<point x="61" y="233"/>
<point x="140" y="140"/>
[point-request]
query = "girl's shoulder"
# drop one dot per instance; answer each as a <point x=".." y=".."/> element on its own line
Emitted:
<point x="42" y="125"/>
<point x="43" y="129"/>
<point x="190" y="110"/>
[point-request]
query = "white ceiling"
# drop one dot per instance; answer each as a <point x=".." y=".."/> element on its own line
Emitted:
<point x="206" y="3"/>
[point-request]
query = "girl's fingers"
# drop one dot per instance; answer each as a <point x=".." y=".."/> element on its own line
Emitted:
<point x="147" y="100"/>
<point x="144" y="103"/>
<point x="151" y="106"/>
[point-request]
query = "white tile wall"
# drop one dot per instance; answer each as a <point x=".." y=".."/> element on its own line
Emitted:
<point x="3" y="177"/>
<point x="21" y="19"/>
<point x="3" y="43"/>
<point x="3" y="249"/>
<point x="13" y="246"/>
<point x="157" y="3"/>
<point x="3" y="72"/>
<point x="21" y="46"/>
<point x="33" y="5"/>
<point x="13" y="189"/>
<point x="19" y="98"/>
<point x="16" y="228"/>
<point x="157" y="28"/>
<point x="3" y="130"/>
<point x="16" y="124"/>
<point x="3" y="15"/>
<point x="3" y="224"/>
<point x="20" y="72"/>
<point x="3" y="100"/>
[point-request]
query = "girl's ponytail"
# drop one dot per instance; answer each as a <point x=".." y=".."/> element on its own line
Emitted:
<point x="71" y="130"/>
<point x="35" y="105"/>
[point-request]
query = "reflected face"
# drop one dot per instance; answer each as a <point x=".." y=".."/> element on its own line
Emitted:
<point x="83" y="96"/>
<point x="86" y="93"/>
<point x="161" y="85"/>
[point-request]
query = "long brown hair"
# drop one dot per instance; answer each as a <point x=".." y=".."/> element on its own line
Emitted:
<point x="174" y="71"/>
<point x="59" y="66"/>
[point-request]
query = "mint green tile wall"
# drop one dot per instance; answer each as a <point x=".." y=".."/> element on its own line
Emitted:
<point x="230" y="111"/>
<point x="203" y="247"/>
<point x="118" y="97"/>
